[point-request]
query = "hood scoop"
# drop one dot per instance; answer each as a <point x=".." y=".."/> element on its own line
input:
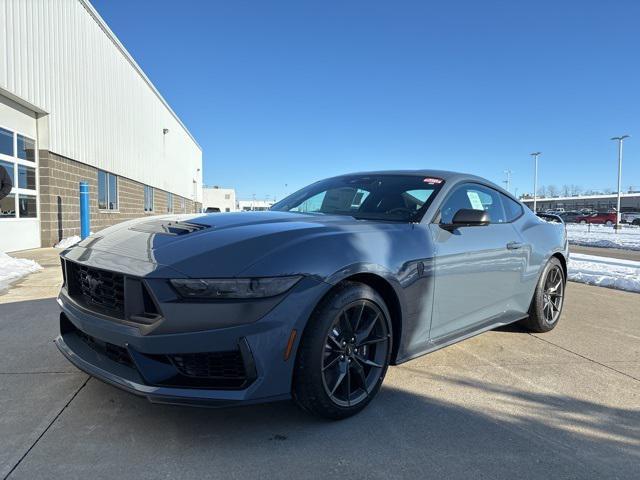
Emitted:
<point x="164" y="227"/>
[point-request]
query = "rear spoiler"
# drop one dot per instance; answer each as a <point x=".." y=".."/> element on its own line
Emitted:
<point x="549" y="217"/>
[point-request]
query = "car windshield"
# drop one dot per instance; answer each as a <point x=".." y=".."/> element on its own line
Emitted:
<point x="399" y="198"/>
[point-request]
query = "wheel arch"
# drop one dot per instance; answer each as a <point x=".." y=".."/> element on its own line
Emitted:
<point x="384" y="287"/>
<point x="391" y="300"/>
<point x="563" y="262"/>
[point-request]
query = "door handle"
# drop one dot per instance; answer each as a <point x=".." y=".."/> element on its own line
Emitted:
<point x="514" y="245"/>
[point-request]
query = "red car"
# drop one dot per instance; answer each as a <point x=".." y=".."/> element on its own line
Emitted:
<point x="606" y="218"/>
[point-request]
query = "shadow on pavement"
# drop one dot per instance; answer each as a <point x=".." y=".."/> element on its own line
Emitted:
<point x="451" y="426"/>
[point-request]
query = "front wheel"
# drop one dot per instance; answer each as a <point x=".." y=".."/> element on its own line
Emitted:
<point x="583" y="222"/>
<point x="548" y="298"/>
<point x="344" y="353"/>
<point x="608" y="223"/>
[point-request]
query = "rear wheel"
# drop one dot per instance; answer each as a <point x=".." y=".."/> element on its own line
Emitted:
<point x="608" y="223"/>
<point x="548" y="299"/>
<point x="344" y="353"/>
<point x="636" y="222"/>
<point x="583" y="222"/>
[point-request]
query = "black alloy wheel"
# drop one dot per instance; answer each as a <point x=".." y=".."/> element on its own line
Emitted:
<point x="553" y="295"/>
<point x="344" y="352"/>
<point x="548" y="298"/>
<point x="355" y="352"/>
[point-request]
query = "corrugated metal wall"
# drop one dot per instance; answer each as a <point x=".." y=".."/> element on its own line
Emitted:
<point x="56" y="56"/>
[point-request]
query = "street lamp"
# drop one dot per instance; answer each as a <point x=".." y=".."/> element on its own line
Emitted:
<point x="535" y="179"/>
<point x="507" y="182"/>
<point x="620" y="140"/>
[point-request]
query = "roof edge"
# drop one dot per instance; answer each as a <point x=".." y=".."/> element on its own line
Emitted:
<point x="112" y="36"/>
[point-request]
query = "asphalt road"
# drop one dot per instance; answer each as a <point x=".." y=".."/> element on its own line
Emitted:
<point x="505" y="404"/>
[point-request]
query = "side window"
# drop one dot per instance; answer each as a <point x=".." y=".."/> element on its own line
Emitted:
<point x="512" y="209"/>
<point x="476" y="197"/>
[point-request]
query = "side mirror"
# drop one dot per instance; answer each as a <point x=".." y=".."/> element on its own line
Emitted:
<point x="468" y="217"/>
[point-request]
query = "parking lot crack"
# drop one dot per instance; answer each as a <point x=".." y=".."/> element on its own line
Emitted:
<point x="586" y="358"/>
<point x="46" y="429"/>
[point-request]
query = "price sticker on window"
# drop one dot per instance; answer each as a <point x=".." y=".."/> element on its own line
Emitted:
<point x="474" y="198"/>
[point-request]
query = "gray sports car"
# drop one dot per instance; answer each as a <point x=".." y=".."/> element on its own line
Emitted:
<point x="312" y="300"/>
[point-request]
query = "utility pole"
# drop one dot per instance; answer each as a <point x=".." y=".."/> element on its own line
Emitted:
<point x="535" y="178"/>
<point x="507" y="182"/>
<point x="620" y="140"/>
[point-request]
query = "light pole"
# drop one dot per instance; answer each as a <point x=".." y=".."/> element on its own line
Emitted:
<point x="507" y="182"/>
<point x="620" y="140"/>
<point x="535" y="178"/>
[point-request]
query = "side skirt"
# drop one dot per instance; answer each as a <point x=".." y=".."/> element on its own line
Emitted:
<point x="461" y="335"/>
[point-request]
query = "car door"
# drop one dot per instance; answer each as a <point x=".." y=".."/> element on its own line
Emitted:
<point x="477" y="269"/>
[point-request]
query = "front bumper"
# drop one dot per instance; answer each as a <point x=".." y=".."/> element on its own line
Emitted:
<point x="262" y="345"/>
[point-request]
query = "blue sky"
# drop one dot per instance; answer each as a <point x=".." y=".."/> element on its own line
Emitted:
<point x="288" y="92"/>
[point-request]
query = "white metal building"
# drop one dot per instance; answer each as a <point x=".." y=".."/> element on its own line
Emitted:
<point x="254" y="205"/>
<point x="75" y="106"/>
<point x="222" y="199"/>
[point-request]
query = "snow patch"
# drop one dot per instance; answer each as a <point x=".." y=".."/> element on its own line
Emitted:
<point x="605" y="272"/>
<point x="13" y="269"/>
<point x="604" y="237"/>
<point x="68" y="242"/>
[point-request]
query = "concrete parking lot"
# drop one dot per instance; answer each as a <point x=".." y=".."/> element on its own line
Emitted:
<point x="505" y="404"/>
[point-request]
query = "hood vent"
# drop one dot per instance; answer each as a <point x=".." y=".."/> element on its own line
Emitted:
<point x="164" y="227"/>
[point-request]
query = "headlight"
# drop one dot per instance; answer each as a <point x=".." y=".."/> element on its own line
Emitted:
<point x="234" y="287"/>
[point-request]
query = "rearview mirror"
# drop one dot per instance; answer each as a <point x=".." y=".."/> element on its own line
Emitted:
<point x="468" y="217"/>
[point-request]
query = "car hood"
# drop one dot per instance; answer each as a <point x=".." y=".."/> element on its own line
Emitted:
<point x="209" y="245"/>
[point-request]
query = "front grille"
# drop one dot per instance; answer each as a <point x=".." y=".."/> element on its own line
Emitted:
<point x="211" y="365"/>
<point x="111" y="351"/>
<point x="97" y="289"/>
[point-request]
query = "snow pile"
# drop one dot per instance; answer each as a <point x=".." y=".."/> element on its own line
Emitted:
<point x="602" y="236"/>
<point x="68" y="242"/>
<point x="605" y="272"/>
<point x="13" y="269"/>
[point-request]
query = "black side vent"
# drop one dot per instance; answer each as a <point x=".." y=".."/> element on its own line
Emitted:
<point x="164" y="227"/>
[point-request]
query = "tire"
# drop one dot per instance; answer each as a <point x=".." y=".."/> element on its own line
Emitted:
<point x="583" y="222"/>
<point x="336" y="375"/>
<point x="636" y="222"/>
<point x="608" y="223"/>
<point x="548" y="299"/>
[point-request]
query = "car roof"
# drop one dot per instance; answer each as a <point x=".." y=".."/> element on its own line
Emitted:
<point x="448" y="176"/>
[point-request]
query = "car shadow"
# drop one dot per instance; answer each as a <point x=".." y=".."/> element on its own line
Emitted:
<point x="421" y="424"/>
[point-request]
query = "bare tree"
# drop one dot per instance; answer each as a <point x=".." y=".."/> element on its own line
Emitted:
<point x="566" y="190"/>
<point x="576" y="189"/>
<point x="552" y="190"/>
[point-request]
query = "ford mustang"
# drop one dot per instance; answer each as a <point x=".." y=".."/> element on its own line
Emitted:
<point x="312" y="300"/>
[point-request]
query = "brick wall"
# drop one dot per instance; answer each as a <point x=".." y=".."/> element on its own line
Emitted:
<point x="60" y="199"/>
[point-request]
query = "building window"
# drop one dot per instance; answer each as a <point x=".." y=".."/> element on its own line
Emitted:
<point x="26" y="177"/>
<point x="9" y="168"/>
<point x="26" y="148"/>
<point x="20" y="165"/>
<point x="27" y="205"/>
<point x="169" y="202"/>
<point x="148" y="198"/>
<point x="227" y="209"/>
<point x="8" y="206"/>
<point x="107" y="191"/>
<point x="182" y="205"/>
<point x="6" y="142"/>
<point x="227" y="196"/>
